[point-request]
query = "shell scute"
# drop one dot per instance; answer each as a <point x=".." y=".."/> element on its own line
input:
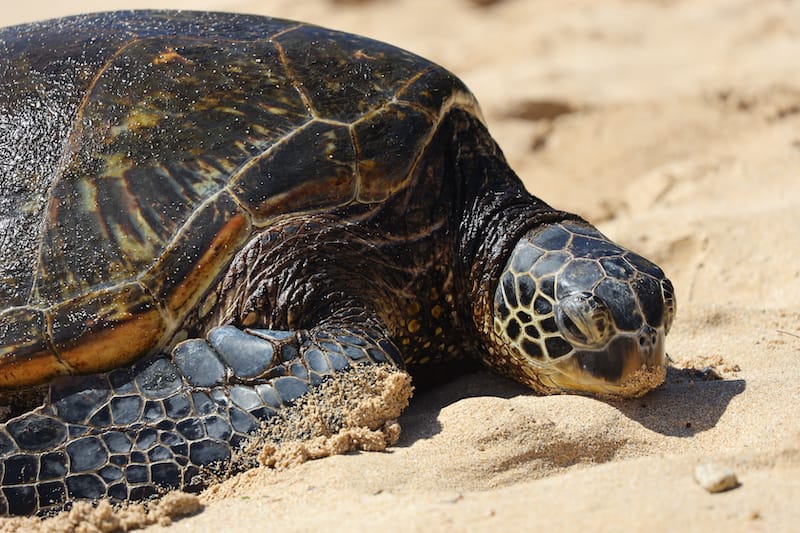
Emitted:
<point x="163" y="128"/>
<point x="197" y="256"/>
<point x="108" y="328"/>
<point x="434" y="88"/>
<point x="387" y="142"/>
<point x="25" y="351"/>
<point x="345" y="76"/>
<point x="310" y="170"/>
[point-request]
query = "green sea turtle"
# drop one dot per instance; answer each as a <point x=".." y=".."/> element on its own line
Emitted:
<point x="206" y="215"/>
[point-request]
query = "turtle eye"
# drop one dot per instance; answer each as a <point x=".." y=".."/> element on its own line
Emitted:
<point x="584" y="320"/>
<point x="570" y="330"/>
<point x="668" y="292"/>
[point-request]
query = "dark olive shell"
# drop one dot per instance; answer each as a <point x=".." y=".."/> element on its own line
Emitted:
<point x="139" y="151"/>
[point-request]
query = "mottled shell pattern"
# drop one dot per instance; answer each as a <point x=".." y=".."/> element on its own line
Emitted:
<point x="158" y="157"/>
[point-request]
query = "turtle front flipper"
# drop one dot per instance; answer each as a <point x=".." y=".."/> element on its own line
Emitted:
<point x="133" y="432"/>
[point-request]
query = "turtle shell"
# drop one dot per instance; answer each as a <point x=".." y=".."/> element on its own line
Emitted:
<point x="139" y="151"/>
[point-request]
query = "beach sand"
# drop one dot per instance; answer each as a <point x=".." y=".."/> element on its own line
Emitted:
<point x="675" y="127"/>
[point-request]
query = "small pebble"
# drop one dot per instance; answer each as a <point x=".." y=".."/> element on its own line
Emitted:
<point x="715" y="478"/>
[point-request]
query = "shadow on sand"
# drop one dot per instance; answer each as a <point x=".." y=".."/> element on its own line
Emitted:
<point x="688" y="403"/>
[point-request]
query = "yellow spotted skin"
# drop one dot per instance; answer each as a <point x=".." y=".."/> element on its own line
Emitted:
<point x="424" y="330"/>
<point x="574" y="311"/>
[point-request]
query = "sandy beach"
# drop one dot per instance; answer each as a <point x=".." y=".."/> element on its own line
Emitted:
<point x="672" y="125"/>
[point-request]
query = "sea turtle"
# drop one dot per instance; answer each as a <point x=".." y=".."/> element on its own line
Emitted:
<point x="206" y="215"/>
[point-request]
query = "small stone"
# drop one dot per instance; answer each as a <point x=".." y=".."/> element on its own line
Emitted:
<point x="715" y="478"/>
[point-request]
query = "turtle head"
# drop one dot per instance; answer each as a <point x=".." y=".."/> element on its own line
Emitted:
<point x="574" y="312"/>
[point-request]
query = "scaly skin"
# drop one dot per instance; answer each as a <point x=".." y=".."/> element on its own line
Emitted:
<point x="134" y="432"/>
<point x="576" y="312"/>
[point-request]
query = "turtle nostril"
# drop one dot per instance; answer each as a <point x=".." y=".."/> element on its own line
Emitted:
<point x="647" y="338"/>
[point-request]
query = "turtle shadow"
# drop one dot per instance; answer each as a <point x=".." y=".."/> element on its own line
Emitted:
<point x="421" y="419"/>
<point x="690" y="401"/>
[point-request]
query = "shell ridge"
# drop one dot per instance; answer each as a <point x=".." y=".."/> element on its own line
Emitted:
<point x="75" y="129"/>
<point x="171" y="324"/>
<point x="51" y="343"/>
<point x="455" y="101"/>
<point x="292" y="75"/>
<point x="252" y="161"/>
<point x="173" y="321"/>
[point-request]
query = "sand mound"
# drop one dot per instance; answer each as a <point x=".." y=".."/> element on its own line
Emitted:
<point x="104" y="518"/>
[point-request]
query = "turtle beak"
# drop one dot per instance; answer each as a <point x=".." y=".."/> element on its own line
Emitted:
<point x="628" y="366"/>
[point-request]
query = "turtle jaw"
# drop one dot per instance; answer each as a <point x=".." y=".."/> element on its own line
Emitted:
<point x="629" y="366"/>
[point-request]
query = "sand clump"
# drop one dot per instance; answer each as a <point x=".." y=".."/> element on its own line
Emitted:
<point x="105" y="518"/>
<point x="356" y="411"/>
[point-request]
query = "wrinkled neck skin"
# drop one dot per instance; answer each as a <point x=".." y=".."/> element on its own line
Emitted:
<point x="498" y="213"/>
